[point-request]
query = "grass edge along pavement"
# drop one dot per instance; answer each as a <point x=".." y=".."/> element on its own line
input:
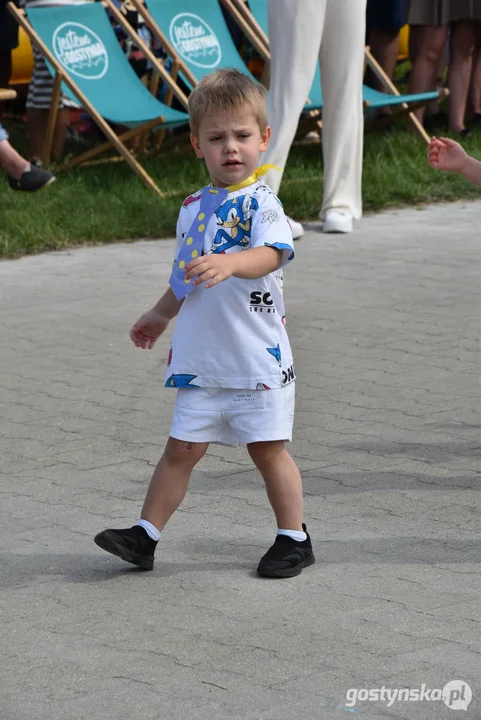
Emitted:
<point x="107" y="203"/>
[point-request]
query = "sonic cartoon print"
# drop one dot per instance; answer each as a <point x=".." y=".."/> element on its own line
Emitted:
<point x="234" y="216"/>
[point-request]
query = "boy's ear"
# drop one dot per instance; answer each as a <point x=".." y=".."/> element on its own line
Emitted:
<point x="265" y="137"/>
<point x="195" y="144"/>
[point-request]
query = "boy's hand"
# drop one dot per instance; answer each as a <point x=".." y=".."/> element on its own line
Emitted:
<point x="446" y="154"/>
<point x="214" y="268"/>
<point x="148" y="328"/>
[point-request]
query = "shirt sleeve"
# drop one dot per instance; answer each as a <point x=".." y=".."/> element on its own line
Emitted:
<point x="270" y="226"/>
<point x="179" y="232"/>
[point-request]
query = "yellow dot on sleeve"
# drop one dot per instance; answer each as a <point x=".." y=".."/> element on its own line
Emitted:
<point x="200" y="216"/>
<point x="195" y="253"/>
<point x="187" y="281"/>
<point x="182" y="264"/>
<point x="201" y="228"/>
<point x="189" y="240"/>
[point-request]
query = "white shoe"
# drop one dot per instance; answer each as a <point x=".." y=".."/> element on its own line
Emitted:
<point x="297" y="229"/>
<point x="337" y="221"/>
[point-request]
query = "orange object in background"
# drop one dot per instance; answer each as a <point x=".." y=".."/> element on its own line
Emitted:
<point x="22" y="61"/>
<point x="403" y="52"/>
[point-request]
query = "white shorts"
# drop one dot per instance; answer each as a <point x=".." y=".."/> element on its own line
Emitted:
<point x="233" y="417"/>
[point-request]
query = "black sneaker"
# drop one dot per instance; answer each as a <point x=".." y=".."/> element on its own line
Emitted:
<point x="31" y="180"/>
<point x="286" y="557"/>
<point x="133" y="545"/>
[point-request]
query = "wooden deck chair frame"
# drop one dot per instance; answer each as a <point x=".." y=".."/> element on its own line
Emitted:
<point x="245" y="19"/>
<point x="114" y="140"/>
<point x="178" y="63"/>
<point x="251" y="28"/>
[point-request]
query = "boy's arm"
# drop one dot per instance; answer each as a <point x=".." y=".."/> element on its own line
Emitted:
<point x="255" y="262"/>
<point x="152" y="324"/>
<point x="248" y="265"/>
<point x="168" y="305"/>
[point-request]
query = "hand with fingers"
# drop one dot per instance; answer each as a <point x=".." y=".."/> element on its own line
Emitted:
<point x="446" y="154"/>
<point x="148" y="328"/>
<point x="211" y="269"/>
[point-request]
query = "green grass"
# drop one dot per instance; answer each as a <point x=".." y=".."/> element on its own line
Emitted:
<point x="106" y="203"/>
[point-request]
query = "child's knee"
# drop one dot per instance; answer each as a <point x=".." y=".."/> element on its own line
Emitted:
<point x="183" y="452"/>
<point x="265" y="452"/>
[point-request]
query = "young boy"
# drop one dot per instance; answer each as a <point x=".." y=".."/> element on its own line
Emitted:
<point x="230" y="357"/>
<point x="447" y="154"/>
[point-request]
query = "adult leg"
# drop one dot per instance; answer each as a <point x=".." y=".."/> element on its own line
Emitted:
<point x="10" y="161"/>
<point x="60" y="134"/>
<point x="475" y="91"/>
<point x="283" y="482"/>
<point x="37" y="123"/>
<point x="295" y="32"/>
<point x="342" y="65"/>
<point x="462" y="46"/>
<point x="37" y="120"/>
<point x="426" y="47"/>
<point x="384" y="48"/>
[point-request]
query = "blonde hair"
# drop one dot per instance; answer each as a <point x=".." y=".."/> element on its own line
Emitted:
<point x="226" y="90"/>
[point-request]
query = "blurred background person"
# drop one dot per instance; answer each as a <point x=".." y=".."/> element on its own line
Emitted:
<point x="384" y="20"/>
<point x="8" y="42"/>
<point x="431" y="23"/>
<point x="301" y="34"/>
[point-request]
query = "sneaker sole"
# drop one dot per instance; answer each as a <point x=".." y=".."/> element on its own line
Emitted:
<point x="108" y="542"/>
<point x="290" y="572"/>
<point x="45" y="185"/>
<point x="37" y="189"/>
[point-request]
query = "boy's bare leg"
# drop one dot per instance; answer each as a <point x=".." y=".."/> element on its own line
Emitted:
<point x="170" y="480"/>
<point x="283" y="482"/>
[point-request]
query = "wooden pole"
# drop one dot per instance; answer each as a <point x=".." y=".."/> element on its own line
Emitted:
<point x="147" y="52"/>
<point x="52" y="118"/>
<point x="247" y="29"/>
<point x="169" y="49"/>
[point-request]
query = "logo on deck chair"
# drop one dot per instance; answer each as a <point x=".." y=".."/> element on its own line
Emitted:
<point x="195" y="40"/>
<point x="80" y="51"/>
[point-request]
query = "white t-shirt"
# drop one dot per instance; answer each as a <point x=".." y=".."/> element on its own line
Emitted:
<point x="232" y="335"/>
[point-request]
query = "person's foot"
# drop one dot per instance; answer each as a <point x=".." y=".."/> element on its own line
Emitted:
<point x="133" y="545"/>
<point x="32" y="179"/>
<point x="436" y="121"/>
<point x="296" y="227"/>
<point x="464" y="133"/>
<point x="287" y="557"/>
<point x="337" y="221"/>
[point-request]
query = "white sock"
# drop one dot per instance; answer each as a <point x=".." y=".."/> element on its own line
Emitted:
<point x="150" y="529"/>
<point x="297" y="535"/>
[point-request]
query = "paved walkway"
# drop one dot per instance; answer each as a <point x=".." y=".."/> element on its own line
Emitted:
<point x="384" y="326"/>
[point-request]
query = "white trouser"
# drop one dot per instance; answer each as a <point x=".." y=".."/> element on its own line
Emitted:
<point x="300" y="32"/>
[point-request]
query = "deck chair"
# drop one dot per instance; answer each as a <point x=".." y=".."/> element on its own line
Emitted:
<point x="255" y="17"/>
<point x="85" y="58"/>
<point x="194" y="34"/>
